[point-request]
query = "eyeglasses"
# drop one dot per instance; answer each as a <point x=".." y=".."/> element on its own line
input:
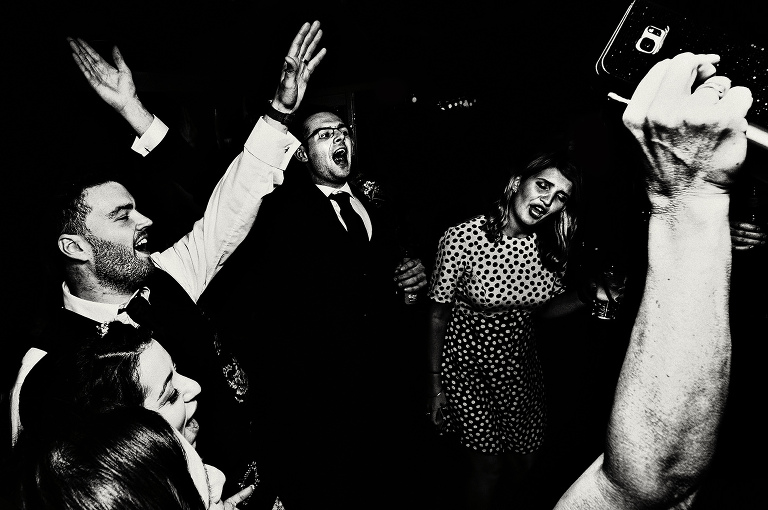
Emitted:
<point x="327" y="133"/>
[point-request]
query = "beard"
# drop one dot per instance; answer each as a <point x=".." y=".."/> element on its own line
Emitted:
<point x="117" y="267"/>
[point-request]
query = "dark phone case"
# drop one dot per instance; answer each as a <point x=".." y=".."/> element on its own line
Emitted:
<point x="622" y="65"/>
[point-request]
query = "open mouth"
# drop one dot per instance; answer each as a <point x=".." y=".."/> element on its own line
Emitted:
<point x="142" y="244"/>
<point x="190" y="431"/>
<point x="340" y="156"/>
<point x="537" y="211"/>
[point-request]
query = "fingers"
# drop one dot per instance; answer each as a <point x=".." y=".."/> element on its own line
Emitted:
<point x="434" y="410"/>
<point x="743" y="244"/>
<point x="93" y="58"/>
<point x="745" y="236"/>
<point x="410" y="264"/>
<point x="90" y="63"/>
<point x="299" y="39"/>
<point x="711" y="91"/>
<point x="684" y="70"/>
<point x="303" y="47"/>
<point x="298" y="66"/>
<point x="305" y="41"/>
<point x="310" y="61"/>
<point x="78" y="60"/>
<point x="310" y="40"/>
<point x="119" y="60"/>
<point x="316" y="60"/>
<point x="232" y="502"/>
<point x="411" y="283"/>
<point x="667" y="84"/>
<point x="412" y="278"/>
<point x="710" y="121"/>
<point x="750" y="228"/>
<point x="737" y="101"/>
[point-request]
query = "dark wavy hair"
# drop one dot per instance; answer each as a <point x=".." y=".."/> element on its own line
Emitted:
<point x="128" y="458"/>
<point x="108" y="369"/>
<point x="99" y="375"/>
<point x="67" y="211"/>
<point x="555" y="233"/>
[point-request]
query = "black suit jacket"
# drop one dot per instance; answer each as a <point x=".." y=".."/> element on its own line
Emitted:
<point x="187" y="334"/>
<point x="316" y="322"/>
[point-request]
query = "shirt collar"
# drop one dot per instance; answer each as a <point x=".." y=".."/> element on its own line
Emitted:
<point x="328" y="190"/>
<point x="99" y="312"/>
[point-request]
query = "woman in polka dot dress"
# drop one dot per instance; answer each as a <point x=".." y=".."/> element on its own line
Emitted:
<point x="492" y="272"/>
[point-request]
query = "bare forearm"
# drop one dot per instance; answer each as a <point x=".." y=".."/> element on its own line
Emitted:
<point x="137" y="116"/>
<point x="439" y="316"/>
<point x="675" y="377"/>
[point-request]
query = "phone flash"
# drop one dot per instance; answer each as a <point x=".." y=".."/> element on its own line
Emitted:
<point x="652" y="39"/>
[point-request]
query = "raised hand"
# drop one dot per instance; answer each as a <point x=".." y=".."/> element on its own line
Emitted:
<point x="298" y="67"/>
<point x="693" y="142"/>
<point x="114" y="85"/>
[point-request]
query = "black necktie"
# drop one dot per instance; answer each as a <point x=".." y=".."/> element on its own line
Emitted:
<point x="138" y="310"/>
<point x="355" y="225"/>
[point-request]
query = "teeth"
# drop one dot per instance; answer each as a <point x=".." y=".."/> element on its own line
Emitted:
<point x="340" y="155"/>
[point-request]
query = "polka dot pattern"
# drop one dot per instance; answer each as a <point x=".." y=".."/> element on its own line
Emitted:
<point x="490" y="372"/>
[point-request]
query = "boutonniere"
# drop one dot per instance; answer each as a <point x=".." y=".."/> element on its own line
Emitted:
<point x="102" y="329"/>
<point x="372" y="190"/>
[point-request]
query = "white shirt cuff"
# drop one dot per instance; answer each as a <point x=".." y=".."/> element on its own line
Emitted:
<point x="271" y="146"/>
<point x="151" y="137"/>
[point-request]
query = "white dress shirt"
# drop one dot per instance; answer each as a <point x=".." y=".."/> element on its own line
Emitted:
<point x="196" y="258"/>
<point x="356" y="205"/>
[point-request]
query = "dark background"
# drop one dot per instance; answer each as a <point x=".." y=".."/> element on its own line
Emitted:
<point x="207" y="67"/>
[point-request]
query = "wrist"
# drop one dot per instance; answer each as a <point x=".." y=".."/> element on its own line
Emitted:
<point x="276" y="111"/>
<point x="136" y="115"/>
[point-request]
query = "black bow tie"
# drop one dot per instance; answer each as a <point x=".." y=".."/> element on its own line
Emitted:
<point x="138" y="309"/>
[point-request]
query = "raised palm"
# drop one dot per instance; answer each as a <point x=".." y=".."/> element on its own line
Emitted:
<point x="113" y="84"/>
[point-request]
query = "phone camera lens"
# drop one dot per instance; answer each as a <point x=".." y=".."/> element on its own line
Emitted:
<point x="647" y="44"/>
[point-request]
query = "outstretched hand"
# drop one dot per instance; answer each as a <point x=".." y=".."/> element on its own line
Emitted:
<point x="113" y="84"/>
<point x="298" y="66"/>
<point x="693" y="141"/>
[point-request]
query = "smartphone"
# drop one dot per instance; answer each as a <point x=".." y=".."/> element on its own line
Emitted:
<point x="648" y="33"/>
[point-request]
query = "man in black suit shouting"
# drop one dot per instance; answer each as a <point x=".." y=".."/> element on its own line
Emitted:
<point x="331" y="360"/>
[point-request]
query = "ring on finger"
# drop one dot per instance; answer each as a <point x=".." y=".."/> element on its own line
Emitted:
<point x="717" y="87"/>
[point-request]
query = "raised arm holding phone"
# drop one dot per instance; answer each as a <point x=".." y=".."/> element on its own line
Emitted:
<point x="690" y="125"/>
